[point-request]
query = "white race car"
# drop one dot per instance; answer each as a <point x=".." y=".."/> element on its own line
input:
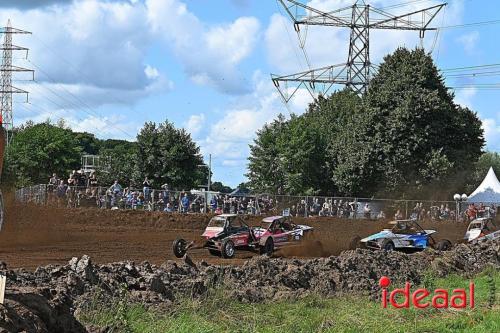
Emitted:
<point x="405" y="234"/>
<point x="482" y="228"/>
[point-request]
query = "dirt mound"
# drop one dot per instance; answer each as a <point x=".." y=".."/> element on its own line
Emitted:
<point x="48" y="299"/>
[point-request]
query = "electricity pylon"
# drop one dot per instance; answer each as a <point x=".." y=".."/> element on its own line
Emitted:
<point x="360" y="19"/>
<point x="6" y="119"/>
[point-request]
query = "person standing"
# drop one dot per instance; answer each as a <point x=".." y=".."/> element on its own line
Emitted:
<point x="146" y="188"/>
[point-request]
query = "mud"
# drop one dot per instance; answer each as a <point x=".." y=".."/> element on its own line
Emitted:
<point x="52" y="298"/>
<point x="38" y="235"/>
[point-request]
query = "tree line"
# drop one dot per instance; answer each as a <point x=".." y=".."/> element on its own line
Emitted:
<point x="163" y="153"/>
<point x="405" y="137"/>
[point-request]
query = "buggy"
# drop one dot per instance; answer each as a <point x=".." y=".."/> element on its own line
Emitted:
<point x="227" y="233"/>
<point x="404" y="235"/>
<point x="482" y="228"/>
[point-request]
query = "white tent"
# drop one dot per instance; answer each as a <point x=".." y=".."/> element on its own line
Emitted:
<point x="488" y="191"/>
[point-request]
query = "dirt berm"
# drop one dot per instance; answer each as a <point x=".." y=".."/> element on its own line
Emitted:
<point x="50" y="298"/>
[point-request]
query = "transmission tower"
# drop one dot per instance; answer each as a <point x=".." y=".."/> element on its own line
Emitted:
<point x="360" y="19"/>
<point x="7" y="69"/>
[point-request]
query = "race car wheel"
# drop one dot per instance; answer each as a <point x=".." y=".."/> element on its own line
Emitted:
<point x="214" y="252"/>
<point x="268" y="247"/>
<point x="387" y="245"/>
<point x="443" y="245"/>
<point x="227" y="249"/>
<point x="179" y="247"/>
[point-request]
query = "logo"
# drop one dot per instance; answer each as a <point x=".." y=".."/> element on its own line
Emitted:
<point x="422" y="298"/>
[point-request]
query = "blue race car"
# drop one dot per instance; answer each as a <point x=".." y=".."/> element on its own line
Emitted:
<point x="405" y="234"/>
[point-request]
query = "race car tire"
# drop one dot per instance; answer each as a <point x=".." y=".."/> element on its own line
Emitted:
<point x="443" y="245"/>
<point x="387" y="245"/>
<point x="227" y="249"/>
<point x="179" y="247"/>
<point x="268" y="247"/>
<point x="214" y="252"/>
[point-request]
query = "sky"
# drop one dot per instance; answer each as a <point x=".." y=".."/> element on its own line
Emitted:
<point x="108" y="66"/>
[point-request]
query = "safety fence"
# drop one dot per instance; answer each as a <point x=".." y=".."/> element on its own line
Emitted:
<point x="263" y="204"/>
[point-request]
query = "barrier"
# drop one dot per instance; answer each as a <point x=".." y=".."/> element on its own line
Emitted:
<point x="214" y="202"/>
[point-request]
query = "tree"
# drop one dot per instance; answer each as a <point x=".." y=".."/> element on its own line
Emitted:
<point x="88" y="142"/>
<point x="480" y="169"/>
<point x="410" y="134"/>
<point x="117" y="163"/>
<point x="219" y="187"/>
<point x="292" y="156"/>
<point x="39" y="150"/>
<point x="168" y="155"/>
<point x="265" y="169"/>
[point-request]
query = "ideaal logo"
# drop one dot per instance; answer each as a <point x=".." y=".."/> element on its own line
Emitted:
<point x="422" y="298"/>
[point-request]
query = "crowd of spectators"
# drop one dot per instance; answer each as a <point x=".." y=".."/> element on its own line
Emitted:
<point x="82" y="190"/>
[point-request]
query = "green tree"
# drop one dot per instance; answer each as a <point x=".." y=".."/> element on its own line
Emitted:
<point x="37" y="151"/>
<point x="480" y="169"/>
<point x="409" y="135"/>
<point x="117" y="164"/>
<point x="219" y="187"/>
<point x="88" y="143"/>
<point x="168" y="155"/>
<point x="292" y="156"/>
<point x="265" y="168"/>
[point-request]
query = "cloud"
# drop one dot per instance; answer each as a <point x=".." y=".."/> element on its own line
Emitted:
<point x="23" y="4"/>
<point x="210" y="54"/>
<point x="492" y="133"/>
<point x="97" y="45"/>
<point x="195" y="124"/>
<point x="240" y="3"/>
<point x="229" y="137"/>
<point x="469" y="41"/>
<point x="465" y="97"/>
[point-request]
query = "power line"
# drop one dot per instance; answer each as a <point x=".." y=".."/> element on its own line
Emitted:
<point x="470" y="67"/>
<point x="82" y="105"/>
<point x="474" y="24"/>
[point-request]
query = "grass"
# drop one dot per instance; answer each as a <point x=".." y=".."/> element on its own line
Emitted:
<point x="218" y="313"/>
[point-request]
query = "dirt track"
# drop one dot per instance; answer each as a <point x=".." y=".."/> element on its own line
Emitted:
<point x="34" y="235"/>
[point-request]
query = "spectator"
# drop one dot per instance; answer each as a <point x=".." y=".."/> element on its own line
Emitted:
<point x="53" y="183"/>
<point x="367" y="211"/>
<point x="184" y="203"/>
<point x="146" y="188"/>
<point x="81" y="179"/>
<point x="93" y="184"/>
<point x="398" y="215"/>
<point x="168" y="208"/>
<point x="315" y="207"/>
<point x="381" y="215"/>
<point x="73" y="178"/>
<point x="213" y="204"/>
<point x="61" y="191"/>
<point x="116" y="188"/>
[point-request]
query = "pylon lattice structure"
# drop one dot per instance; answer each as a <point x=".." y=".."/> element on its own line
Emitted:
<point x="7" y="69"/>
<point x="360" y="19"/>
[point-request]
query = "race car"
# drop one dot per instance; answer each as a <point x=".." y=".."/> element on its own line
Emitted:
<point x="482" y="228"/>
<point x="404" y="235"/>
<point x="278" y="231"/>
<point x="228" y="232"/>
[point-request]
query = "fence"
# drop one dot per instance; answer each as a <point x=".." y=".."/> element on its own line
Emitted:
<point x="263" y="204"/>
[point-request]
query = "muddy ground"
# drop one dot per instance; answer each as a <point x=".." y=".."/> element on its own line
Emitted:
<point x="38" y="235"/>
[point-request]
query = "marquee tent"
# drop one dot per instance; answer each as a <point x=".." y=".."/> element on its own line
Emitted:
<point x="488" y="191"/>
